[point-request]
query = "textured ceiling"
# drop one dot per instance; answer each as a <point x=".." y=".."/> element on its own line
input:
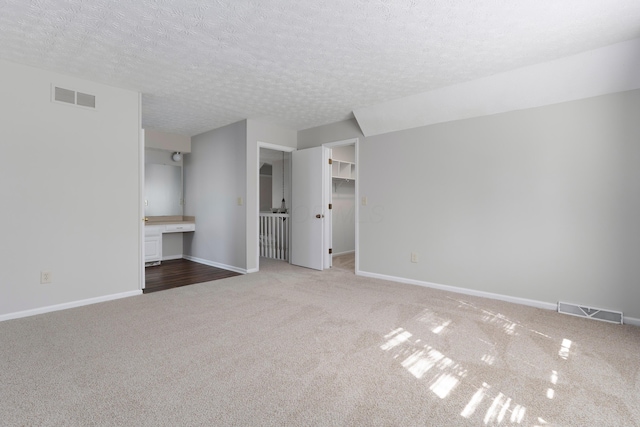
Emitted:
<point x="202" y="64"/>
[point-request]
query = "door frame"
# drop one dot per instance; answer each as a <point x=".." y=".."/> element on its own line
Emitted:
<point x="329" y="230"/>
<point x="141" y="224"/>
<point x="270" y="146"/>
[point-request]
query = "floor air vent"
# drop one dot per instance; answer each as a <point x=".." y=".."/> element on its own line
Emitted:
<point x="590" y="312"/>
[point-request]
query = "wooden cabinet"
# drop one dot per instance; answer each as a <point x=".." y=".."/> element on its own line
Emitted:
<point x="153" y="239"/>
<point x="179" y="228"/>
<point x="153" y="243"/>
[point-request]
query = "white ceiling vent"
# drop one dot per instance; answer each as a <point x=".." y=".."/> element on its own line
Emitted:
<point x="86" y="100"/>
<point x="69" y="96"/>
<point x="65" y="95"/>
<point x="590" y="312"/>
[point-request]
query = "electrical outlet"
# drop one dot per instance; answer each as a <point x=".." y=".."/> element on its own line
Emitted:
<point x="46" y="277"/>
<point x="414" y="257"/>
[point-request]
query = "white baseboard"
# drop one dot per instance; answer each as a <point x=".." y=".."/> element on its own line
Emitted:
<point x="253" y="270"/>
<point x="172" y="257"/>
<point x="631" y="321"/>
<point x="507" y="298"/>
<point x="343" y="253"/>
<point x="215" y="264"/>
<point x="66" y="305"/>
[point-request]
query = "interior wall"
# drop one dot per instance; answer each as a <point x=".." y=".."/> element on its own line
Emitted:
<point x="70" y="192"/>
<point x="540" y="204"/>
<point x="214" y="181"/>
<point x="258" y="131"/>
<point x="278" y="171"/>
<point x="265" y="193"/>
<point x="167" y="141"/>
<point x="608" y="69"/>
<point x="345" y="153"/>
<point x="339" y="131"/>
<point x="343" y="216"/>
<point x="160" y="157"/>
<point x="172" y="245"/>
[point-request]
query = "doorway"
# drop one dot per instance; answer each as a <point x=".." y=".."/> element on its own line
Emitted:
<point x="274" y="202"/>
<point x="343" y="199"/>
<point x="314" y="244"/>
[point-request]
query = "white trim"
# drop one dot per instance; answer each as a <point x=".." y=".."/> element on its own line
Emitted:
<point x="216" y="264"/>
<point x="341" y="143"/>
<point x="275" y="147"/>
<point x="172" y="257"/>
<point x="473" y="292"/>
<point x="66" y="305"/>
<point x="343" y="253"/>
<point x="252" y="270"/>
<point x="631" y="321"/>
<point x="327" y="222"/>
<point x="141" y="224"/>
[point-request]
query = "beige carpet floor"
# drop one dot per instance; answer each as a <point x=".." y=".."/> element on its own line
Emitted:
<point x="345" y="262"/>
<point x="294" y="347"/>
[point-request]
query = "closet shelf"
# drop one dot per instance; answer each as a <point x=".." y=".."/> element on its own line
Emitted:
<point x="343" y="170"/>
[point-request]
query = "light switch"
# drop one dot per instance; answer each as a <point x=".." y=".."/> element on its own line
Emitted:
<point x="239" y="201"/>
<point x="364" y="201"/>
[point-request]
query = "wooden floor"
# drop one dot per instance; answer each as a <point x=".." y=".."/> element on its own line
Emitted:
<point x="181" y="272"/>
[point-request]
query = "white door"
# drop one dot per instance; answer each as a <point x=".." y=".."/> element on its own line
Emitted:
<point x="308" y="209"/>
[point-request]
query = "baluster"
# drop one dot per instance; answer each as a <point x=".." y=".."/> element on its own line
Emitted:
<point x="280" y="238"/>
<point x="271" y="237"/>
<point x="275" y="237"/>
<point x="280" y="224"/>
<point x="261" y="235"/>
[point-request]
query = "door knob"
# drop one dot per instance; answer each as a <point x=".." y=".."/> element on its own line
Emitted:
<point x="319" y="216"/>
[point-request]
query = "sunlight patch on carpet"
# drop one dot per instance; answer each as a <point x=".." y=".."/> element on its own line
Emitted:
<point x="564" y="349"/>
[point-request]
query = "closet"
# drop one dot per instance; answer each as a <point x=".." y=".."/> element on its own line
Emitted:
<point x="343" y="174"/>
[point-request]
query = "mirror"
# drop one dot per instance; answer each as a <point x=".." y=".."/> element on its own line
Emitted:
<point x="162" y="190"/>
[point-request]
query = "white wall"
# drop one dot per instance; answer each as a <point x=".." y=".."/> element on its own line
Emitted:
<point x="160" y="157"/>
<point x="172" y="245"/>
<point x="609" y="69"/>
<point x="265" y="193"/>
<point x="343" y="216"/>
<point x="167" y="141"/>
<point x="540" y="203"/>
<point x="346" y="153"/>
<point x="258" y="131"/>
<point x="70" y="192"/>
<point x="276" y="193"/>
<point x="339" y="131"/>
<point x="214" y="179"/>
